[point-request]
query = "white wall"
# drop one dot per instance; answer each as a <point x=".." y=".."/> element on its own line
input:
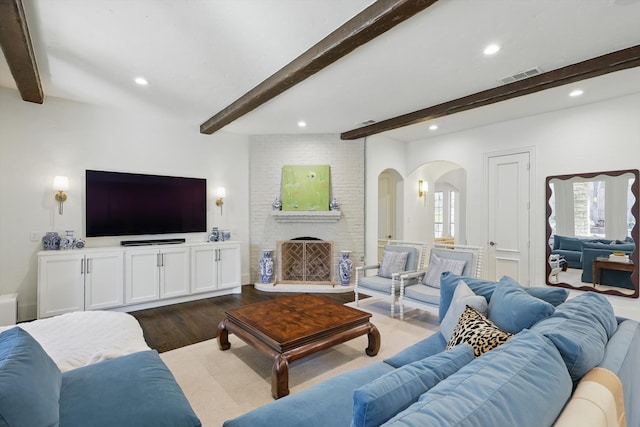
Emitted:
<point x="595" y="137"/>
<point x="61" y="137"/>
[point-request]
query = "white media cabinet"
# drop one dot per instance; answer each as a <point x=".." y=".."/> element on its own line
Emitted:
<point x="135" y="277"/>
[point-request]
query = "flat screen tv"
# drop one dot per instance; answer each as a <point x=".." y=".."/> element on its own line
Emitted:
<point x="123" y="204"/>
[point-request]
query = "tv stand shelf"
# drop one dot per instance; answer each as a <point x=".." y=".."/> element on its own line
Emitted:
<point x="129" y="278"/>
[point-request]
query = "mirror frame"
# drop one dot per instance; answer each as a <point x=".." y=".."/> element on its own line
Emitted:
<point x="634" y="233"/>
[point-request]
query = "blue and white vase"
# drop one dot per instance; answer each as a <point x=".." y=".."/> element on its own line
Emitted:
<point x="266" y="266"/>
<point x="51" y="241"/>
<point x="334" y="205"/>
<point x="345" y="266"/>
<point x="277" y="204"/>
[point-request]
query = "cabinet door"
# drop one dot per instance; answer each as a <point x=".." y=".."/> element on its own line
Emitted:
<point x="203" y="269"/>
<point x="174" y="272"/>
<point x="104" y="280"/>
<point x="60" y="284"/>
<point x="142" y="275"/>
<point x="228" y="266"/>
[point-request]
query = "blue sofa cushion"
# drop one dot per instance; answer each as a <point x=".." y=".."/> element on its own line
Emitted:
<point x="475" y="329"/>
<point x="377" y="283"/>
<point x="580" y="329"/>
<point x="522" y="383"/>
<point x="128" y="391"/>
<point x="423" y="293"/>
<point x="301" y="409"/>
<point x="30" y="382"/>
<point x="513" y="309"/>
<point x="431" y="345"/>
<point x="449" y="281"/>
<point x="567" y="243"/>
<point x="381" y="399"/>
<point x="626" y="247"/>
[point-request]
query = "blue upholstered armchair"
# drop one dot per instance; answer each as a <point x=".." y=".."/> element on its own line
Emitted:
<point x="422" y="289"/>
<point x="398" y="258"/>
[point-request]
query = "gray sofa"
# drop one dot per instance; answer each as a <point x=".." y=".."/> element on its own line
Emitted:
<point x="526" y="381"/>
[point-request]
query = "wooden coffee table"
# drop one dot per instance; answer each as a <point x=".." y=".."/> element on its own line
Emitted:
<point x="291" y="328"/>
<point x="604" y="263"/>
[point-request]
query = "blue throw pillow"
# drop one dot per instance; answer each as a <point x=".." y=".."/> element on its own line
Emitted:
<point x="513" y="309"/>
<point x="485" y="288"/>
<point x="381" y="399"/>
<point x="29" y="382"/>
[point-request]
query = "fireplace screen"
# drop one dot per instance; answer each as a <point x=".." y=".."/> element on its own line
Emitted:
<point x="305" y="261"/>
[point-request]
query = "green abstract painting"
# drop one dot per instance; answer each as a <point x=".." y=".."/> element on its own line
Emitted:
<point x="305" y="188"/>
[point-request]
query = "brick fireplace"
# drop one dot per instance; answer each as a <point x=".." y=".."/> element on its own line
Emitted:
<point x="268" y="154"/>
<point x="305" y="261"/>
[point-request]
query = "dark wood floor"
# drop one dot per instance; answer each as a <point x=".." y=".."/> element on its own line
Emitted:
<point x="179" y="325"/>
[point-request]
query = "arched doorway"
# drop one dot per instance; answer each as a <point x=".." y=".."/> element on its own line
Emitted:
<point x="441" y="211"/>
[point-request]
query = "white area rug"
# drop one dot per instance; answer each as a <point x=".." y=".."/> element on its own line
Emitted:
<point x="221" y="385"/>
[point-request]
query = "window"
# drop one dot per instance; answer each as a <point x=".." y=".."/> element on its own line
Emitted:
<point x="444" y="214"/>
<point x="452" y="213"/>
<point x="438" y="224"/>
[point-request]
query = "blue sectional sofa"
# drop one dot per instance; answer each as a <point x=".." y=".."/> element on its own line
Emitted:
<point x="134" y="390"/>
<point x="527" y="381"/>
<point x="580" y="253"/>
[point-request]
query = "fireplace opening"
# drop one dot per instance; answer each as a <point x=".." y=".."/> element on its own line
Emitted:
<point x="305" y="260"/>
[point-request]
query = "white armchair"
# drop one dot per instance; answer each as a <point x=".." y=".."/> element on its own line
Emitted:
<point x="385" y="283"/>
<point x="417" y="292"/>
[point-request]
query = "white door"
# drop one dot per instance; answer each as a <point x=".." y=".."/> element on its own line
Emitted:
<point x="508" y="216"/>
<point x="386" y="210"/>
<point x="174" y="272"/>
<point x="104" y="280"/>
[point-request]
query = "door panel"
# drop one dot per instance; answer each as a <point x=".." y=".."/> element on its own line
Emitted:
<point x="508" y="217"/>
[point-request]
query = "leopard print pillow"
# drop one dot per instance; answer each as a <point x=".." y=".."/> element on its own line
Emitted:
<point x="475" y="329"/>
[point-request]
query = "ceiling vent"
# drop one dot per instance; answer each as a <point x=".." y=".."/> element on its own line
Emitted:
<point x="521" y="75"/>
<point x="367" y="122"/>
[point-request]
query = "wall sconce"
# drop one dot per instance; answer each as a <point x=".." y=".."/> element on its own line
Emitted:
<point x="220" y="194"/>
<point x="422" y="188"/>
<point x="60" y="184"/>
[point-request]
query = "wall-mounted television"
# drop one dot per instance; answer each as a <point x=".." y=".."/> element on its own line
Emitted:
<point x="123" y="204"/>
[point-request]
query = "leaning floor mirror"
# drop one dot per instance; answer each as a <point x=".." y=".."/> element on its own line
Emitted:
<point x="592" y="232"/>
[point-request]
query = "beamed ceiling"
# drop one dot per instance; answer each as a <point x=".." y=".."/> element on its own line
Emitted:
<point x="355" y="67"/>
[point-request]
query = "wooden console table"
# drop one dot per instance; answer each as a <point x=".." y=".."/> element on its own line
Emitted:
<point x="605" y="263"/>
<point x="291" y="328"/>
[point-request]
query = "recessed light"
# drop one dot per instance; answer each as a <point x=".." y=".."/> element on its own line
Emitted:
<point x="576" y="92"/>
<point x="433" y="127"/>
<point x="491" y="49"/>
<point x="302" y="124"/>
<point x="141" y="81"/>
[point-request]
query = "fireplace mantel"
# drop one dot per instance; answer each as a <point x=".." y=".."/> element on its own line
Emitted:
<point x="306" y="216"/>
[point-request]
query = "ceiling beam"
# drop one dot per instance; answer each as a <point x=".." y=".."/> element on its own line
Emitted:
<point x="615" y="61"/>
<point x="378" y="18"/>
<point x="18" y="51"/>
